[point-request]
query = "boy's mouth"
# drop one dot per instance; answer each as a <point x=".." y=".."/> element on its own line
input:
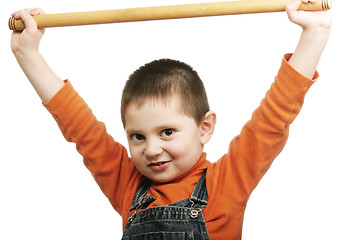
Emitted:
<point x="158" y="166"/>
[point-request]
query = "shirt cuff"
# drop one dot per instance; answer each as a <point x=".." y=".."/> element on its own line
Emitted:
<point x="60" y="96"/>
<point x="292" y="71"/>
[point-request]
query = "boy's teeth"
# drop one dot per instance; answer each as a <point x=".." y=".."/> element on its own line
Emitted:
<point x="158" y="164"/>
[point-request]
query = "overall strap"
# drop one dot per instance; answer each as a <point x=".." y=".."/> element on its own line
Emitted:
<point x="141" y="200"/>
<point x="199" y="194"/>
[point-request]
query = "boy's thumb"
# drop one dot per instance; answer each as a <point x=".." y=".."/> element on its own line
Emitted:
<point x="293" y="6"/>
<point x="292" y="9"/>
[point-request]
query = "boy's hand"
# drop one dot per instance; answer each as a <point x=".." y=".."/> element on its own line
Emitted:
<point x="308" y="20"/>
<point x="28" y="40"/>
<point x="316" y="27"/>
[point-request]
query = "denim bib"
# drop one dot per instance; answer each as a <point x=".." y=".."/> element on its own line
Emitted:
<point x="177" y="221"/>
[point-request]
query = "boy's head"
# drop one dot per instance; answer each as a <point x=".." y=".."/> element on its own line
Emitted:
<point x="166" y="117"/>
<point x="163" y="79"/>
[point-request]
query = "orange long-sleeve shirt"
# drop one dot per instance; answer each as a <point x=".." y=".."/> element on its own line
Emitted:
<point x="230" y="180"/>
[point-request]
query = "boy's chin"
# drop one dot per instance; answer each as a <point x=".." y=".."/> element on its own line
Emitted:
<point x="162" y="179"/>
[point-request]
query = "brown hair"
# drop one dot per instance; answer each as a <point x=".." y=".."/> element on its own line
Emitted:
<point x="165" y="78"/>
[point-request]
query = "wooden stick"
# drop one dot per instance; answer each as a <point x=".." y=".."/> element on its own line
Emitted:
<point x="164" y="12"/>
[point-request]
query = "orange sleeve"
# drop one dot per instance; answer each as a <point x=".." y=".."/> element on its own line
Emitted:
<point x="262" y="138"/>
<point x="107" y="160"/>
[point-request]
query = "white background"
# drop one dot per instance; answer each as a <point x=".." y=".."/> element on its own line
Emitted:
<point x="310" y="192"/>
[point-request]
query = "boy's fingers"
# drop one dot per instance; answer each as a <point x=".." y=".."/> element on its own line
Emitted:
<point x="37" y="11"/>
<point x="28" y="20"/>
<point x="34" y="11"/>
<point x="308" y="1"/>
<point x="41" y="11"/>
<point x="28" y="10"/>
<point x="17" y="14"/>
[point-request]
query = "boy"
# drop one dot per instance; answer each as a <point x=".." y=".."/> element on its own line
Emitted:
<point x="167" y="189"/>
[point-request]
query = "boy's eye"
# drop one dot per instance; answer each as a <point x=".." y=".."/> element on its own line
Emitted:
<point x="137" y="137"/>
<point x="167" y="132"/>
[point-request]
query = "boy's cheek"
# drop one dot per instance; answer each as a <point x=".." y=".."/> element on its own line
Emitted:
<point x="134" y="148"/>
<point x="134" y="154"/>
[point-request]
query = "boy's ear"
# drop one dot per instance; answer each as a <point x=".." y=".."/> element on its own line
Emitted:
<point x="207" y="127"/>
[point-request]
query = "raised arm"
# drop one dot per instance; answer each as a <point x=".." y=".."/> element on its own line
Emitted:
<point x="107" y="160"/>
<point x="25" y="46"/>
<point x="316" y="29"/>
<point x="263" y="137"/>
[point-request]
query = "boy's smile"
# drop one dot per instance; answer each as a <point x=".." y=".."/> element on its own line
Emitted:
<point x="164" y="142"/>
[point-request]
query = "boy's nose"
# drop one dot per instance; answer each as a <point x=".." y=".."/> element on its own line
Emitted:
<point x="153" y="148"/>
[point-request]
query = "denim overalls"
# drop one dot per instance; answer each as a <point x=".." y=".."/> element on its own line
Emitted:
<point x="180" y="220"/>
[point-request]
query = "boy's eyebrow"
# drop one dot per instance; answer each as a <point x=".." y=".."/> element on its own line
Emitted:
<point x="130" y="131"/>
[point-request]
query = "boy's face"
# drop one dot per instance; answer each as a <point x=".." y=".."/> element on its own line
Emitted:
<point x="164" y="142"/>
